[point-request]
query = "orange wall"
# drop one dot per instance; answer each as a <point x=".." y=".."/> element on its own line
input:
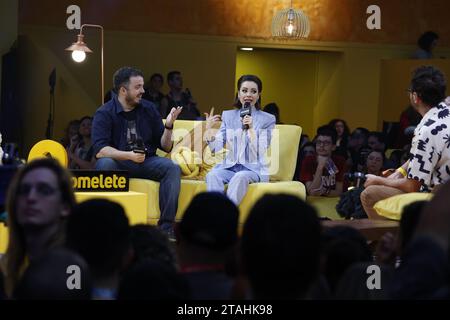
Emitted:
<point x="331" y="20"/>
<point x="346" y="79"/>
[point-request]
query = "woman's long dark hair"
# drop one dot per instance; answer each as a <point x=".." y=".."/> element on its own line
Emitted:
<point x="346" y="133"/>
<point x="252" y="78"/>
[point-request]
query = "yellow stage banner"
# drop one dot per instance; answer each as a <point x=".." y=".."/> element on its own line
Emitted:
<point x="100" y="181"/>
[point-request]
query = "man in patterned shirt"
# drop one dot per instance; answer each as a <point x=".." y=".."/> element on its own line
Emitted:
<point x="429" y="164"/>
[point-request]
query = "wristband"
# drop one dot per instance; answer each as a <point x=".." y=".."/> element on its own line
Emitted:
<point x="168" y="128"/>
<point x="402" y="171"/>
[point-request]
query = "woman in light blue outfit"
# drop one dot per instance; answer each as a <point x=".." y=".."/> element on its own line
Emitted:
<point x="246" y="133"/>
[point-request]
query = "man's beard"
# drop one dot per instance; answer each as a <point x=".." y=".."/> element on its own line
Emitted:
<point x="131" y="101"/>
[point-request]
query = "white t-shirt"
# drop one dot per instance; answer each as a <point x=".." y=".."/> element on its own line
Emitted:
<point x="430" y="148"/>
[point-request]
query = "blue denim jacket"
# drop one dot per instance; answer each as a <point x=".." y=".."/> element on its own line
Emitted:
<point x="109" y="127"/>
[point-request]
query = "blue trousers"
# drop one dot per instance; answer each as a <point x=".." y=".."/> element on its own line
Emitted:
<point x="163" y="170"/>
<point x="238" y="178"/>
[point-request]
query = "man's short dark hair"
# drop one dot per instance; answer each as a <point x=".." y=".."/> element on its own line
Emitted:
<point x="171" y="75"/>
<point x="380" y="137"/>
<point x="98" y="230"/>
<point x="426" y="40"/>
<point x="122" y="77"/>
<point x="210" y="221"/>
<point x="157" y="75"/>
<point x="280" y="247"/>
<point x="150" y="243"/>
<point x="342" y="246"/>
<point x="430" y="85"/>
<point x="327" y="131"/>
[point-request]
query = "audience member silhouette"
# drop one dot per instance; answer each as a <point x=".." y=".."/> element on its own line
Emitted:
<point x="177" y="97"/>
<point x="207" y="237"/>
<point x="272" y="108"/>
<point x="98" y="230"/>
<point x="49" y="277"/>
<point x="153" y="91"/>
<point x="280" y="248"/>
<point x="80" y="151"/>
<point x="426" y="43"/>
<point x="341" y="247"/>
<point x="153" y="280"/>
<point x="149" y="243"/>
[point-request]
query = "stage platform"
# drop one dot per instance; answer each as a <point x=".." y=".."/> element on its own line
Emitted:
<point x="372" y="230"/>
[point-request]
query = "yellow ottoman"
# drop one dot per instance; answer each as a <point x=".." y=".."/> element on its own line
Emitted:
<point x="134" y="203"/>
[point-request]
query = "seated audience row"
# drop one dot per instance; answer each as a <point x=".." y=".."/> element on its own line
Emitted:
<point x="283" y="253"/>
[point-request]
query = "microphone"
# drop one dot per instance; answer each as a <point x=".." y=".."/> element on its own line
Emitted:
<point x="245" y="111"/>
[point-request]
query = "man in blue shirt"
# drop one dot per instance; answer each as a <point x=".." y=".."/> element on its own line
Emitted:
<point x="126" y="132"/>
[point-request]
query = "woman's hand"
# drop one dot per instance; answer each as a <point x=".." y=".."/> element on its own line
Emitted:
<point x="373" y="180"/>
<point x="74" y="141"/>
<point x="211" y="118"/>
<point x="248" y="120"/>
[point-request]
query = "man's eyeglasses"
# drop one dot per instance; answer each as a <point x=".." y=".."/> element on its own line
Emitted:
<point x="323" y="143"/>
<point x="43" y="189"/>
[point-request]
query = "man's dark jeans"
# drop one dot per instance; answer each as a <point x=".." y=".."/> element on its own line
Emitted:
<point x="163" y="170"/>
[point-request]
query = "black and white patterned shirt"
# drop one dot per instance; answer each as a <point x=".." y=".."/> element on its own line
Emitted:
<point x="430" y="148"/>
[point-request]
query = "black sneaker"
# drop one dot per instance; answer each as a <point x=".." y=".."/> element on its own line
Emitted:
<point x="170" y="233"/>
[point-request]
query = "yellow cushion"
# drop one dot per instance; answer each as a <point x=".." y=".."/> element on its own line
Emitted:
<point x="151" y="189"/>
<point x="285" y="141"/>
<point x="188" y="189"/>
<point x="392" y="207"/>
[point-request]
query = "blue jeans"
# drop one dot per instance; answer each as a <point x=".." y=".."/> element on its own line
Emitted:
<point x="163" y="170"/>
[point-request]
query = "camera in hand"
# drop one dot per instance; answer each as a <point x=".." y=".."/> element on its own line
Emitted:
<point x="357" y="178"/>
<point x="138" y="147"/>
<point x="245" y="111"/>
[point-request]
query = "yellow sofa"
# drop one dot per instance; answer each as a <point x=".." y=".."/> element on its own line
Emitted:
<point x="286" y="138"/>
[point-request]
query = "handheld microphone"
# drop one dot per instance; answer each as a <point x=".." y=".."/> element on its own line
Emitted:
<point x="246" y="110"/>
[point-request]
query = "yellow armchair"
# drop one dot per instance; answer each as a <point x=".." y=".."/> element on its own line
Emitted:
<point x="283" y="155"/>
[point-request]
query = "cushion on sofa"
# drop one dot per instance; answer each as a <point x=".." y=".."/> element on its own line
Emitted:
<point x="392" y="207"/>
